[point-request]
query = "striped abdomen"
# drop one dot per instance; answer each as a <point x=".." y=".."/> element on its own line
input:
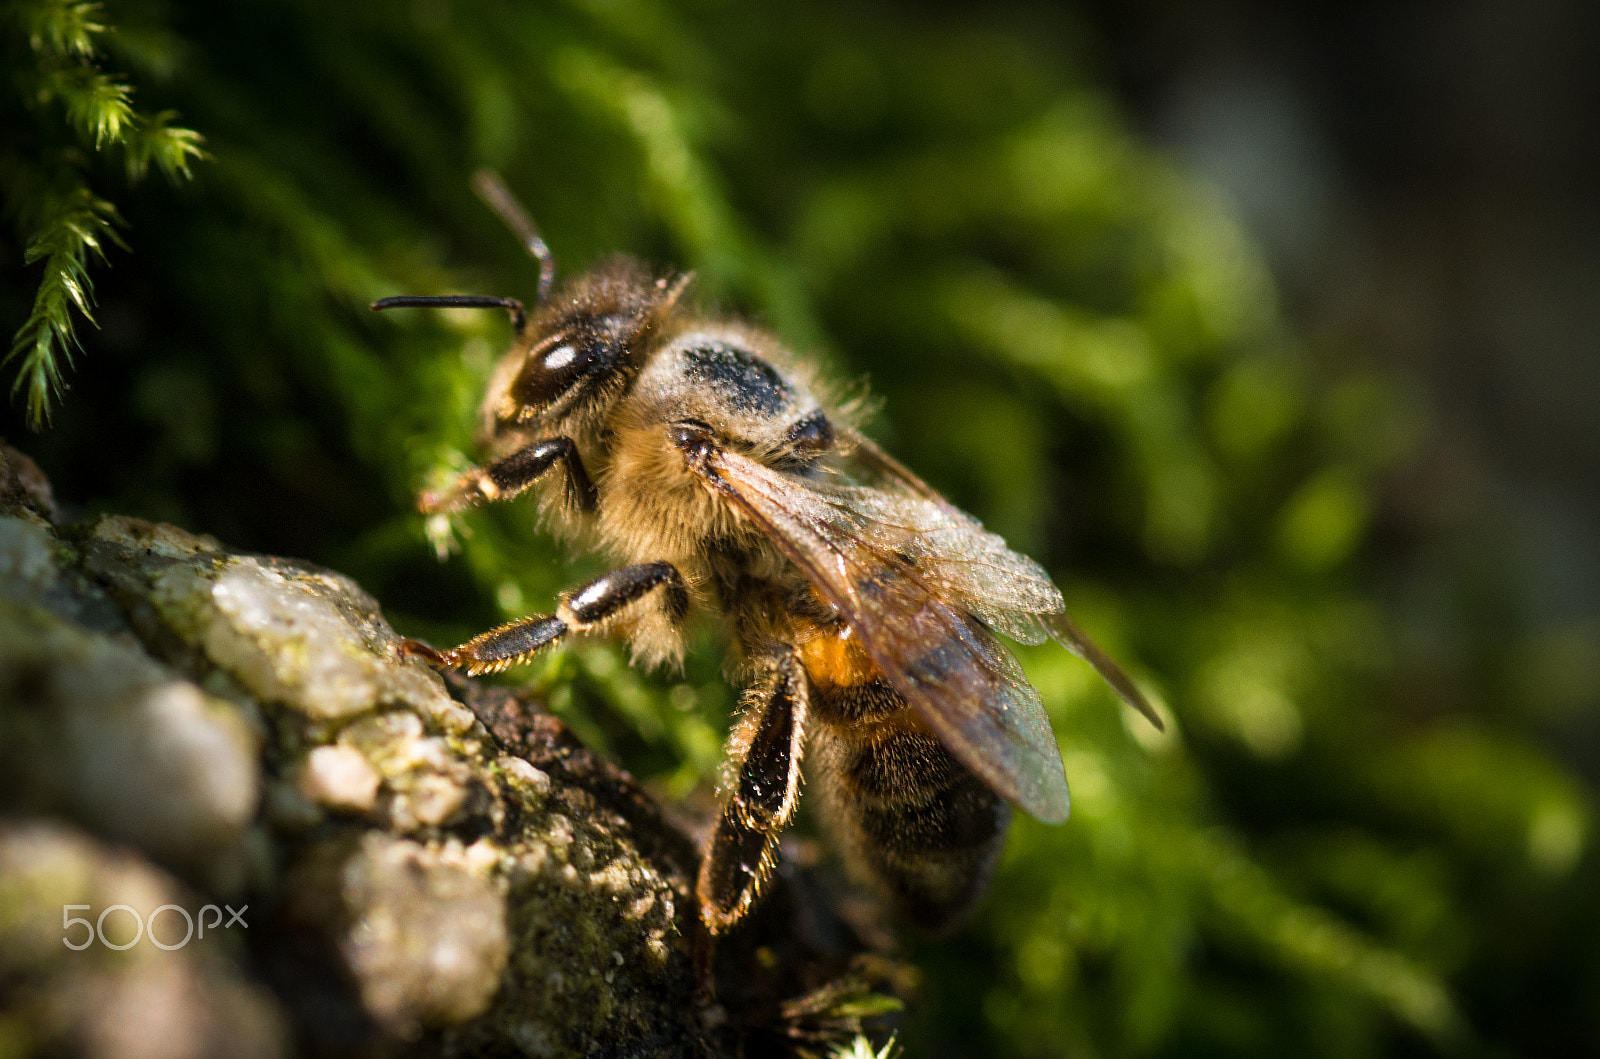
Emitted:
<point x="908" y="815"/>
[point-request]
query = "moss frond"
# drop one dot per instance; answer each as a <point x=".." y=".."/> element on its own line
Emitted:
<point x="77" y="226"/>
<point x="59" y="27"/>
<point x="171" y="148"/>
<point x="58" y="76"/>
<point x="98" y="106"/>
<point x="861" y="1048"/>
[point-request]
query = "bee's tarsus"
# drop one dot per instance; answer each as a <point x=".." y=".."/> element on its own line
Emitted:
<point x="587" y="606"/>
<point x="511" y="644"/>
<point x="409" y="648"/>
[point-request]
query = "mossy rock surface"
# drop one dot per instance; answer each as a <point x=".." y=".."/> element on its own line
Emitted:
<point x="190" y="725"/>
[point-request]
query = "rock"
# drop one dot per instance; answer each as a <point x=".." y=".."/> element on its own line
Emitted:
<point x="426" y="936"/>
<point x="340" y="778"/>
<point x="69" y="992"/>
<point x="184" y="724"/>
<point x="24" y="486"/>
<point x="289" y="633"/>
<point x="96" y="730"/>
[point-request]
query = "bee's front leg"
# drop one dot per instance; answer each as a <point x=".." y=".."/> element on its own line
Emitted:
<point x="768" y="743"/>
<point x="510" y="475"/>
<point x="583" y="608"/>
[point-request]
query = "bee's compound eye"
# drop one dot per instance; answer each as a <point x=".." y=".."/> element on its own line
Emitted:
<point x="567" y="363"/>
<point x="559" y="357"/>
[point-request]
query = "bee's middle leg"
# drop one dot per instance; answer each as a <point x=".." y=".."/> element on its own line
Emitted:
<point x="582" y="608"/>
<point x="768" y="742"/>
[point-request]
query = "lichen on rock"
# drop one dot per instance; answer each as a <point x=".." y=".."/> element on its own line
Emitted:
<point x="288" y="633"/>
<point x="96" y="730"/>
<point x="242" y="729"/>
<point x="430" y="866"/>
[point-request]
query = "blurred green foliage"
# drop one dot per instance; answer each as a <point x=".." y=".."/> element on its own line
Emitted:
<point x="1075" y="342"/>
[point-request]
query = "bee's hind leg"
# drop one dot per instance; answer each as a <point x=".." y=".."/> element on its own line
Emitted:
<point x="582" y="608"/>
<point x="768" y="743"/>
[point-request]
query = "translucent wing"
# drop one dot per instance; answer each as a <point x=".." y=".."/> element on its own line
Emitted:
<point x="918" y="582"/>
<point x="998" y="585"/>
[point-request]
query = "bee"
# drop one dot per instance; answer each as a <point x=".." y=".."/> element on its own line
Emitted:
<point x="864" y="608"/>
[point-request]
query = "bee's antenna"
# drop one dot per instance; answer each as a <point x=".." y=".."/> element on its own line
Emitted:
<point x="493" y="191"/>
<point x="519" y="315"/>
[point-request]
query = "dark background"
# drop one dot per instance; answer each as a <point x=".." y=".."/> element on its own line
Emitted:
<point x="1426" y="180"/>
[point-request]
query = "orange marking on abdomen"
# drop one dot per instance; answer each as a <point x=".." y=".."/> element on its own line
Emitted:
<point x="834" y="658"/>
<point x="837" y="663"/>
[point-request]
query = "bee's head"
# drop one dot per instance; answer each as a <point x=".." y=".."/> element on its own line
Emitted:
<point x="579" y="351"/>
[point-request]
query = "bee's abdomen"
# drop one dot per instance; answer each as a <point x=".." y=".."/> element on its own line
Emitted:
<point x="912" y="817"/>
<point x="909" y="816"/>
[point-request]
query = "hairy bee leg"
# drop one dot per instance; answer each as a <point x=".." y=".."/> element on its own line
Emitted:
<point x="496" y="649"/>
<point x="582" y="608"/>
<point x="607" y="594"/>
<point x="509" y="476"/>
<point x="744" y="847"/>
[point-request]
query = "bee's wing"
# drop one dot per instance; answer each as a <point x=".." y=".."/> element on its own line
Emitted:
<point x="880" y="559"/>
<point x="973" y="573"/>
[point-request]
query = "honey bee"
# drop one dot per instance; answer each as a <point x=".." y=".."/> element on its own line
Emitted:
<point x="864" y="608"/>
